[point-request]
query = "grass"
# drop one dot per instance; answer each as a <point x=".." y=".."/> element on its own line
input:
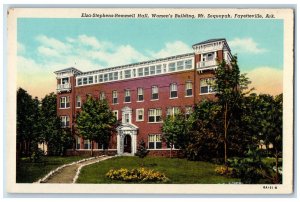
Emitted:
<point x="28" y="172"/>
<point x="179" y="171"/>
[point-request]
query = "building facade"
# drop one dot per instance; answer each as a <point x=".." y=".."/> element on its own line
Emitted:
<point x="142" y="94"/>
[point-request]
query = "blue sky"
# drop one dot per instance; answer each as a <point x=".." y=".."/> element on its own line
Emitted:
<point x="46" y="45"/>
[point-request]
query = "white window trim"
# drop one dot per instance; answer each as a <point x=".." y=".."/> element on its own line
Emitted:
<point x="127" y="90"/>
<point x="207" y="85"/>
<point x="155" y="115"/>
<point x="137" y="115"/>
<point x="80" y="101"/>
<point x="173" y="91"/>
<point x="155" y="141"/>
<point x="64" y="121"/>
<point x="188" y="89"/>
<point x="65" y="97"/>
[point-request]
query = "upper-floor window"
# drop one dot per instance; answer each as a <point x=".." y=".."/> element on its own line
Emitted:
<point x="102" y="95"/>
<point x="140" y="71"/>
<point x="65" y="121"/>
<point x="85" y="80"/>
<point x="206" y="86"/>
<point x="180" y="65"/>
<point x="154" y="115"/>
<point x="127" y="119"/>
<point x="90" y="79"/>
<point x="101" y="78"/>
<point x="152" y="70"/>
<point x="110" y="76"/>
<point x="64" y="102"/>
<point x="154" y="141"/>
<point x="127" y="74"/>
<point x="173" y="90"/>
<point x="79" y="82"/>
<point x="208" y="56"/>
<point x="171" y="111"/>
<point x="158" y="69"/>
<point x="115" y="75"/>
<point x="188" y="88"/>
<point x="78" y="101"/>
<point x="64" y="80"/>
<point x="140" y="94"/>
<point x="154" y="93"/>
<point x="188" y="64"/>
<point x="139" y="114"/>
<point x="127" y="96"/>
<point x="96" y="79"/>
<point x="146" y="71"/>
<point x="121" y="74"/>
<point x="116" y="113"/>
<point x="115" y="97"/>
<point x="105" y="76"/>
<point x="172" y="67"/>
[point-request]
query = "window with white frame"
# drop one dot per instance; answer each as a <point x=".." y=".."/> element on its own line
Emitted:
<point x="165" y="68"/>
<point x="64" y="121"/>
<point x="171" y="111"/>
<point x="152" y="70"/>
<point x="208" y="56"/>
<point x="139" y="114"/>
<point x="64" y="102"/>
<point x="78" y="140"/>
<point x="115" y="97"/>
<point x="188" y="64"/>
<point x="154" y="93"/>
<point x="110" y="76"/>
<point x="127" y="95"/>
<point x="134" y="72"/>
<point x="172" y="66"/>
<point x="173" y="90"/>
<point x="121" y="74"/>
<point x="100" y="77"/>
<point x="154" y="115"/>
<point x="158" y="69"/>
<point x="188" y="89"/>
<point x="127" y="119"/>
<point x="188" y="111"/>
<point x="79" y="82"/>
<point x="127" y="74"/>
<point x="105" y="76"/>
<point x="206" y="86"/>
<point x="85" y="80"/>
<point x="146" y="71"/>
<point x="102" y="95"/>
<point x="180" y="65"/>
<point x="116" y="113"/>
<point x="87" y="144"/>
<point x="140" y="94"/>
<point x="154" y="141"/>
<point x="65" y="80"/>
<point x="90" y="79"/>
<point x="95" y="79"/>
<point x="115" y="75"/>
<point x="78" y="101"/>
<point x="140" y="71"/>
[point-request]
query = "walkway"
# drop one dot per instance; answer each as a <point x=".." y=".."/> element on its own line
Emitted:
<point x="70" y="173"/>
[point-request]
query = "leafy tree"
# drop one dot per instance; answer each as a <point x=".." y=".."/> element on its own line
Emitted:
<point x="141" y="149"/>
<point x="96" y="122"/>
<point x="230" y="86"/>
<point x="175" y="130"/>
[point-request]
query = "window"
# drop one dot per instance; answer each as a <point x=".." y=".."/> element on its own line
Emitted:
<point x="165" y="68"/>
<point x="90" y="79"/>
<point x="139" y="114"/>
<point x="78" y="101"/>
<point x="188" y="89"/>
<point x="115" y="112"/>
<point x="140" y="94"/>
<point x="64" y="121"/>
<point x="146" y="71"/>
<point x="64" y="80"/>
<point x="152" y="70"/>
<point x="140" y="71"/>
<point x="208" y="56"/>
<point x="127" y="74"/>
<point x="171" y="111"/>
<point x="87" y="144"/>
<point x="134" y="72"/>
<point x="154" y="115"/>
<point x="102" y="95"/>
<point x="158" y="69"/>
<point x="126" y="118"/>
<point x="96" y="79"/>
<point x="180" y="65"/>
<point x="105" y="77"/>
<point x="188" y="112"/>
<point x="188" y="64"/>
<point x="121" y="74"/>
<point x="127" y="96"/>
<point x="78" y="143"/>
<point x="110" y="76"/>
<point x="84" y="80"/>
<point x="206" y="86"/>
<point x="64" y="102"/>
<point x="100" y="77"/>
<point x="171" y="66"/>
<point x="173" y="90"/>
<point x="154" y="93"/>
<point x="115" y="97"/>
<point x="115" y="75"/>
<point x="79" y="82"/>
<point x="154" y="141"/>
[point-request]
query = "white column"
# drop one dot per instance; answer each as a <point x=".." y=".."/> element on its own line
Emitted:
<point x="134" y="143"/>
<point x="118" y="143"/>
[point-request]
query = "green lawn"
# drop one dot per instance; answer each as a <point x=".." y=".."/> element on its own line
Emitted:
<point x="28" y="172"/>
<point x="179" y="171"/>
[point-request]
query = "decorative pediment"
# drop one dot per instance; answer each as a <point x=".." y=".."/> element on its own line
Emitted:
<point x="125" y="127"/>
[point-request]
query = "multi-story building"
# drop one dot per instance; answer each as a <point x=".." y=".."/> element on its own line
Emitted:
<point x="141" y="94"/>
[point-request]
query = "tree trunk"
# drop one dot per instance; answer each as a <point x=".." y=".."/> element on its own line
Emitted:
<point x="171" y="150"/>
<point x="92" y="147"/>
<point x="277" y="174"/>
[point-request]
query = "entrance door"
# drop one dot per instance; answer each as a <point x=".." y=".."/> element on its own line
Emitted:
<point x="127" y="144"/>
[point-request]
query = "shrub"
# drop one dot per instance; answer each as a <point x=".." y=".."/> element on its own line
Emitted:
<point x="221" y="170"/>
<point x="136" y="175"/>
<point x="141" y="150"/>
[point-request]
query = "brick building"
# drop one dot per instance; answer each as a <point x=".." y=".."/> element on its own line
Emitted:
<point x="141" y="94"/>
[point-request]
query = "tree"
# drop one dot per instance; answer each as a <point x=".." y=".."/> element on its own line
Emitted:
<point x="175" y="130"/>
<point x="229" y="86"/>
<point x="141" y="149"/>
<point x="96" y="122"/>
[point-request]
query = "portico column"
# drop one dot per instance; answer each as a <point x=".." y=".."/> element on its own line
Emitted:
<point x="134" y="143"/>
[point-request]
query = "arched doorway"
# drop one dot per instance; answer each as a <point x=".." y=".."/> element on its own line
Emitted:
<point x="127" y="144"/>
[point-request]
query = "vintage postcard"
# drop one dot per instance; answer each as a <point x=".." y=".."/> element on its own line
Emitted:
<point x="150" y="100"/>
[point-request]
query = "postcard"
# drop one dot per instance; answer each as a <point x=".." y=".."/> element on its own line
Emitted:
<point x="150" y="100"/>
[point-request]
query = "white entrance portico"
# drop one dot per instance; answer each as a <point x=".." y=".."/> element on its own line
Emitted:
<point x="127" y="134"/>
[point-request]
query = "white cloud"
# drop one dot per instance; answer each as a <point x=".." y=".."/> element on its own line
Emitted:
<point x="245" y="45"/>
<point x="20" y="48"/>
<point x="266" y="80"/>
<point x="52" y="47"/>
<point x="48" y="52"/>
<point x="93" y="42"/>
<point x="170" y="49"/>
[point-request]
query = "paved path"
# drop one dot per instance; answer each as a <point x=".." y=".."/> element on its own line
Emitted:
<point x="68" y="173"/>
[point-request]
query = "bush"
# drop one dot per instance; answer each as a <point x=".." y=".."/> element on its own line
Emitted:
<point x="230" y="172"/>
<point x="36" y="155"/>
<point x="141" y="150"/>
<point x="136" y="175"/>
